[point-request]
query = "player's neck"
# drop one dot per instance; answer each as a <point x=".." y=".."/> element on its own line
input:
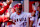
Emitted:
<point x="18" y="13"/>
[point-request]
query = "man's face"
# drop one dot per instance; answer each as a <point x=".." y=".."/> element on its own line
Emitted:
<point x="18" y="10"/>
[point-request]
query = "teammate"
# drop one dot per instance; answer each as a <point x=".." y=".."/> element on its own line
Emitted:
<point x="2" y="10"/>
<point x="38" y="22"/>
<point x="33" y="20"/>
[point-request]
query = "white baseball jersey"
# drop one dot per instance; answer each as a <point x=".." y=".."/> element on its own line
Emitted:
<point x="38" y="24"/>
<point x="20" y="20"/>
<point x="35" y="19"/>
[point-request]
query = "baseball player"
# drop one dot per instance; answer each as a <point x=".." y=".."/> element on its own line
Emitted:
<point x="18" y="17"/>
<point x="33" y="22"/>
<point x="38" y="22"/>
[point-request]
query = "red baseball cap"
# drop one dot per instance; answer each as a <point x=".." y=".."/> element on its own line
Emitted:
<point x="19" y="5"/>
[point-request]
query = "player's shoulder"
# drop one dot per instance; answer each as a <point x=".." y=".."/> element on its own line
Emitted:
<point x="24" y="12"/>
<point x="27" y="13"/>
